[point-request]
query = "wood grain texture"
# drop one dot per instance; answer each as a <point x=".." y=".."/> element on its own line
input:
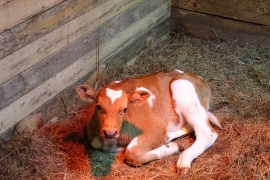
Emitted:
<point x="69" y="99"/>
<point x="43" y="23"/>
<point x="207" y="26"/>
<point x="43" y="47"/>
<point x="14" y="12"/>
<point x="250" y="10"/>
<point x="4" y="2"/>
<point x="34" y="76"/>
<point x="40" y="95"/>
<point x="53" y="86"/>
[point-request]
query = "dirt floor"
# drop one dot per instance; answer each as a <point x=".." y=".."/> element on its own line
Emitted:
<point x="239" y="77"/>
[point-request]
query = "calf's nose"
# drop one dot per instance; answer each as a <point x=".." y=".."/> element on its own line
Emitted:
<point x="109" y="134"/>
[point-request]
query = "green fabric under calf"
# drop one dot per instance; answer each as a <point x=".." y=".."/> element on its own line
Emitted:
<point x="101" y="161"/>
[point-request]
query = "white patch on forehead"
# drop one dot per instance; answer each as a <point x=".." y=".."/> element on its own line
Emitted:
<point x="133" y="143"/>
<point x="117" y="81"/>
<point x="113" y="94"/>
<point x="181" y="72"/>
<point x="150" y="100"/>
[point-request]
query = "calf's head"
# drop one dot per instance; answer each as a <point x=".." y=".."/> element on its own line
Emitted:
<point x="111" y="107"/>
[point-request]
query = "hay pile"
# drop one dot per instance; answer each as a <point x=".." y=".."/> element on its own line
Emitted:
<point x="240" y="80"/>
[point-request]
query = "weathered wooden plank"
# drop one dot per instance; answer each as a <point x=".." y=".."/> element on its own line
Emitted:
<point x="207" y="26"/>
<point x="25" y="105"/>
<point x="155" y="35"/>
<point x="46" y="91"/>
<point x="68" y="98"/>
<point x="16" y="11"/>
<point x="33" y="53"/>
<point x="4" y="2"/>
<point x="146" y="23"/>
<point x="43" y="23"/>
<point x="251" y="10"/>
<point x="34" y="76"/>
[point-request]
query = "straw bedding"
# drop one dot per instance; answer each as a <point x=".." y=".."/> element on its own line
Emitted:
<point x="239" y="77"/>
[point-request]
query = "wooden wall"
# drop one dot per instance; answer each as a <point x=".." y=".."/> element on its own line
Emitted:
<point x="49" y="47"/>
<point x="245" y="21"/>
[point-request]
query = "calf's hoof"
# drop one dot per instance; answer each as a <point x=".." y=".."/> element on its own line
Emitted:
<point x="182" y="170"/>
<point x="133" y="164"/>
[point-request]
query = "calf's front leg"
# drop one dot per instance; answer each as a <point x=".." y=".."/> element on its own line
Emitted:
<point x="141" y="151"/>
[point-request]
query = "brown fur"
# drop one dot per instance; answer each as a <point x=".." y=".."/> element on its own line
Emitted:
<point x="153" y="121"/>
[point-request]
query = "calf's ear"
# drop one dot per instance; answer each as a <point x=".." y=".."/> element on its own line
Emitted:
<point x="87" y="93"/>
<point x="139" y="97"/>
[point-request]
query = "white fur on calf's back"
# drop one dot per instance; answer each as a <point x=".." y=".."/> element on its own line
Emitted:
<point x="181" y="72"/>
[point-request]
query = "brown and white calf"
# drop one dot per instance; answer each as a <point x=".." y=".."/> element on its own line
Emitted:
<point x="163" y="105"/>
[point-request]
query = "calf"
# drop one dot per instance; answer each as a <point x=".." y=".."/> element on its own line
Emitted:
<point x="163" y="105"/>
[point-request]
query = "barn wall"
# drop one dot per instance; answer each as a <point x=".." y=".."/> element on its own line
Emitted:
<point x="245" y="21"/>
<point x="47" y="49"/>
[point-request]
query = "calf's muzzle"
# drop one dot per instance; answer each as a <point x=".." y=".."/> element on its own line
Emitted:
<point x="109" y="134"/>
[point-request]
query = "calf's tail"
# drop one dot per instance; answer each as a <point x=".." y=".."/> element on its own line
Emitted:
<point x="213" y="119"/>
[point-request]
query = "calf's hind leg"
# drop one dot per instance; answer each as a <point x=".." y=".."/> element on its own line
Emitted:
<point x="187" y="104"/>
<point x="204" y="139"/>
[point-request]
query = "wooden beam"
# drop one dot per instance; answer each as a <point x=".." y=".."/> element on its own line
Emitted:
<point x="14" y="12"/>
<point x="249" y="10"/>
<point x="50" y="88"/>
<point x="45" y="22"/>
<point x="207" y="26"/>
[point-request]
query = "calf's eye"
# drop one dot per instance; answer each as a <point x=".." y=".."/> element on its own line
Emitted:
<point x="100" y="109"/>
<point x="123" y="111"/>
